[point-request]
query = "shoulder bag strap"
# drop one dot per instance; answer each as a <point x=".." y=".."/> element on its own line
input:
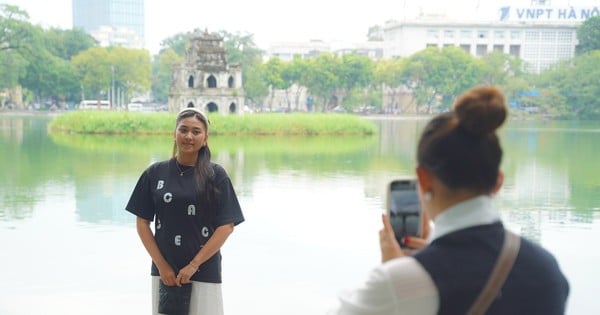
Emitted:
<point x="504" y="264"/>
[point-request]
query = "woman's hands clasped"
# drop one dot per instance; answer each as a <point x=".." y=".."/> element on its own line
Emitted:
<point x="186" y="273"/>
<point x="168" y="277"/>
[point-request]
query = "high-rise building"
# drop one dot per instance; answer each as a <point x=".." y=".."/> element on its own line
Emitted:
<point x="111" y="22"/>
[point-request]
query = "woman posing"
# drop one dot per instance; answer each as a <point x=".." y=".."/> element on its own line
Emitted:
<point x="194" y="208"/>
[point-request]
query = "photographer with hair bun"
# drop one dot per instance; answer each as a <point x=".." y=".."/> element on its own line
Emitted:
<point x="472" y="265"/>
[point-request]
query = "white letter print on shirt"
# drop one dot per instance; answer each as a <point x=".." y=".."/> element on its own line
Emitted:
<point x="160" y="184"/>
<point x="204" y="231"/>
<point x="177" y="240"/>
<point x="191" y="210"/>
<point x="167" y="197"/>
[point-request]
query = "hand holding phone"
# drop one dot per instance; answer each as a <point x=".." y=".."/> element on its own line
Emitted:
<point x="404" y="209"/>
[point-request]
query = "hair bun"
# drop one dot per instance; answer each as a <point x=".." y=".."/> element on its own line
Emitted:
<point x="481" y="110"/>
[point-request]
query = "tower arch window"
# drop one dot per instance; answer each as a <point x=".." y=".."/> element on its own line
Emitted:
<point x="212" y="107"/>
<point x="231" y="82"/>
<point x="232" y="108"/>
<point x="211" y="81"/>
<point x="191" y="81"/>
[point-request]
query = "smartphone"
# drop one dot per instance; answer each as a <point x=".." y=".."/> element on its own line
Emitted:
<point x="404" y="208"/>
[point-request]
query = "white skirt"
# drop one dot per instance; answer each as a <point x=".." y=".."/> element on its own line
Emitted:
<point x="207" y="298"/>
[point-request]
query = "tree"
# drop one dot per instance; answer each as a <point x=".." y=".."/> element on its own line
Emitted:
<point x="67" y="43"/>
<point x="162" y="73"/>
<point x="497" y="68"/>
<point x="571" y="88"/>
<point x="272" y="75"/>
<point x="321" y="79"/>
<point x="293" y="73"/>
<point x="93" y="67"/>
<point x="375" y="33"/>
<point x="255" y="86"/>
<point x="437" y="76"/>
<point x="15" y="36"/>
<point x="388" y="75"/>
<point x="15" y="30"/>
<point x="178" y="43"/>
<point x="130" y="70"/>
<point x="355" y="72"/>
<point x="588" y="35"/>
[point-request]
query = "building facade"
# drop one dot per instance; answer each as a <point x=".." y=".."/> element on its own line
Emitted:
<point x="540" y="35"/>
<point x="205" y="80"/>
<point x="111" y="22"/>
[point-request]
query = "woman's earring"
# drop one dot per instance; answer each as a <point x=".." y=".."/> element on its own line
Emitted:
<point x="427" y="196"/>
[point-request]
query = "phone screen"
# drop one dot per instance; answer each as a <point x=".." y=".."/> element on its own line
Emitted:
<point x="404" y="208"/>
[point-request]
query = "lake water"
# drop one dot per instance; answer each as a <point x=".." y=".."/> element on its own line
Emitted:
<point x="312" y="208"/>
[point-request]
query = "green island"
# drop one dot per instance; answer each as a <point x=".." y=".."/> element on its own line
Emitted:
<point x="271" y="124"/>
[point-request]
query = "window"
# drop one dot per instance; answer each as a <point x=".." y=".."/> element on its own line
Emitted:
<point x="514" y="34"/>
<point x="211" y="81"/>
<point x="515" y="50"/>
<point x="564" y="36"/>
<point x="548" y="36"/>
<point x="481" y="50"/>
<point x="466" y="33"/>
<point x="498" y="34"/>
<point x="482" y="34"/>
<point x="499" y="48"/>
<point x="432" y="33"/>
<point x="466" y="48"/>
<point x="449" y="33"/>
<point x="431" y="45"/>
<point x="532" y="35"/>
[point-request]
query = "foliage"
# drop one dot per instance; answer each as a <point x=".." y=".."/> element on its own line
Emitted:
<point x="571" y="88"/>
<point x="65" y="44"/>
<point x="15" y="30"/>
<point x="437" y="76"/>
<point x="162" y="69"/>
<point x="588" y="35"/>
<point x="355" y="72"/>
<point x="321" y="79"/>
<point x="131" y="70"/>
<point x="110" y="122"/>
<point x="93" y="67"/>
<point x="15" y="34"/>
<point x="99" y="68"/>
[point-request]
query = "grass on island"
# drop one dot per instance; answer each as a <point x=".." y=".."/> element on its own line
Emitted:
<point x="128" y="123"/>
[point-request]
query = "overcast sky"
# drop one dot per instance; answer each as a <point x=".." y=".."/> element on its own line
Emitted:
<point x="274" y="21"/>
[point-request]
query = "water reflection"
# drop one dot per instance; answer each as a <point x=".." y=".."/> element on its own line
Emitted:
<point x="311" y="204"/>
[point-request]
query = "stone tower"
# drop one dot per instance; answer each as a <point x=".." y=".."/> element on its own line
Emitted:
<point x="205" y="80"/>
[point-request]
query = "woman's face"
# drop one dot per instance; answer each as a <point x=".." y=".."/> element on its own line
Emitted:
<point x="190" y="135"/>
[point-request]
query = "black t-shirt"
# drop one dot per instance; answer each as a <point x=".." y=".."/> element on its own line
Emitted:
<point x="184" y="221"/>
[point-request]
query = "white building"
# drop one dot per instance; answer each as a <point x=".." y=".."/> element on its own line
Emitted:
<point x="287" y="50"/>
<point x="540" y="35"/>
<point x="112" y="36"/>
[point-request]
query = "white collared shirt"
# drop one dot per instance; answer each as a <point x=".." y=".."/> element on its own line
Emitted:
<point x="402" y="285"/>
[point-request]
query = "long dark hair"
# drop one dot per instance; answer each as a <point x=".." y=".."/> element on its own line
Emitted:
<point x="461" y="147"/>
<point x="203" y="171"/>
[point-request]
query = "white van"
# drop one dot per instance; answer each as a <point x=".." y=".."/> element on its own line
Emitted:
<point x="93" y="104"/>
<point x="135" y="107"/>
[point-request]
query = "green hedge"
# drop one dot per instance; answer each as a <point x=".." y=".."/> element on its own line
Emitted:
<point x="109" y="122"/>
